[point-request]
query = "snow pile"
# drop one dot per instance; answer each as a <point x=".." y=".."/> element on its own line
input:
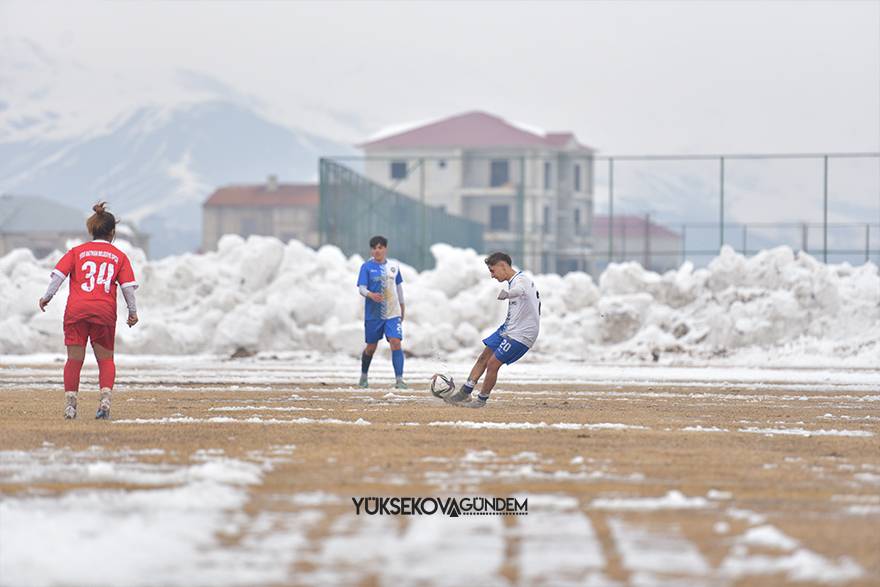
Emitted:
<point x="260" y="294"/>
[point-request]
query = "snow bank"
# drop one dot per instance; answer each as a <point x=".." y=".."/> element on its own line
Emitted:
<point x="260" y="294"/>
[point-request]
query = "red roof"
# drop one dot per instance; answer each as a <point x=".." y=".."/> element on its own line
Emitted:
<point x="284" y="194"/>
<point x="630" y="225"/>
<point x="470" y="130"/>
<point x="560" y="139"/>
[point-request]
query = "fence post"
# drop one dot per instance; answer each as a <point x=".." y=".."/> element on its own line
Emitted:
<point x="521" y="214"/>
<point x="371" y="211"/>
<point x="683" y="243"/>
<point x="745" y="239"/>
<point x="322" y="204"/>
<point x="804" y="245"/>
<point x="721" y="185"/>
<point x="610" y="209"/>
<point x="825" y="214"/>
<point x="867" y="242"/>
<point x="647" y="240"/>
<point x="424" y="215"/>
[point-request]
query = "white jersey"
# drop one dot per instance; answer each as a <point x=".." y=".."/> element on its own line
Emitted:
<point x="523" y="310"/>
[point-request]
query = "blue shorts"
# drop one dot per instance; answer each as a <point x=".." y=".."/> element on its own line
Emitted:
<point x="506" y="349"/>
<point x="374" y="329"/>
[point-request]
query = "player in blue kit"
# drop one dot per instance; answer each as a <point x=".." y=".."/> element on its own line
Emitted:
<point x="380" y="283"/>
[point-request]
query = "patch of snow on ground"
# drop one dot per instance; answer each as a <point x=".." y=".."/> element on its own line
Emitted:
<point x="672" y="500"/>
<point x="151" y="536"/>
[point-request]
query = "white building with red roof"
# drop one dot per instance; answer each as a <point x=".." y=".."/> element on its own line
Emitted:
<point x="533" y="191"/>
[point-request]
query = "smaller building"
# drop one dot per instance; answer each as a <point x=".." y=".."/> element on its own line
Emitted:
<point x="43" y="225"/>
<point x="636" y="238"/>
<point x="284" y="210"/>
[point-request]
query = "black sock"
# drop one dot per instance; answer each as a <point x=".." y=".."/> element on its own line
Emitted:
<point x="365" y="362"/>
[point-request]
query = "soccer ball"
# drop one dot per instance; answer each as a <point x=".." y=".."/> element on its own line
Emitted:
<point x="442" y="385"/>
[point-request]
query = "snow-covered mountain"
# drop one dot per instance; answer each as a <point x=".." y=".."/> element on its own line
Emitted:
<point x="158" y="165"/>
<point x="155" y="154"/>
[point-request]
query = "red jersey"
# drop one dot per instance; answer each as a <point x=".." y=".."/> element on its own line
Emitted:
<point x="95" y="269"/>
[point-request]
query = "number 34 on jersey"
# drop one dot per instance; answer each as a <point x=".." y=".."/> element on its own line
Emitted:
<point x="96" y="269"/>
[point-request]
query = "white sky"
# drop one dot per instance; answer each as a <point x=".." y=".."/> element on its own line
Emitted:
<point x="637" y="77"/>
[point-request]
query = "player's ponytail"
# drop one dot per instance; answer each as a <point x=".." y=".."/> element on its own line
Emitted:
<point x="102" y="223"/>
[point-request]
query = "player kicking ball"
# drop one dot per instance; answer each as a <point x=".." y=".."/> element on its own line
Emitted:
<point x="96" y="269"/>
<point x="381" y="285"/>
<point x="512" y="340"/>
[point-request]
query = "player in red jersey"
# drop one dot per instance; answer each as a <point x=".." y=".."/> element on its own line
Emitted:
<point x="95" y="269"/>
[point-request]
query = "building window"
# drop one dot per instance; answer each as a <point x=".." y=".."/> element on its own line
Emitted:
<point x="249" y="226"/>
<point x="499" y="217"/>
<point x="545" y="264"/>
<point x="577" y="178"/>
<point x="500" y="173"/>
<point x="548" y="181"/>
<point x="568" y="266"/>
<point x="398" y="170"/>
<point x="546" y="219"/>
<point x="577" y="220"/>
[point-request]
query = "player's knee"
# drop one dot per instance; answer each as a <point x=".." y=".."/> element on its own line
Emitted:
<point x="394" y="343"/>
<point x="494" y="364"/>
<point x="76" y="353"/>
<point x="102" y="352"/>
<point x="370" y="349"/>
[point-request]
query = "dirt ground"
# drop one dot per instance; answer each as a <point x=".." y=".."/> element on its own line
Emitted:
<point x="734" y="457"/>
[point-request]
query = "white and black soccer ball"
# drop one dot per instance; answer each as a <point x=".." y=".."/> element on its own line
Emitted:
<point x="441" y="385"/>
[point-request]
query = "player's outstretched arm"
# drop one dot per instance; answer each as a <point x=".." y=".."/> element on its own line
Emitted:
<point x="514" y="292"/>
<point x="55" y="281"/>
<point x="131" y="302"/>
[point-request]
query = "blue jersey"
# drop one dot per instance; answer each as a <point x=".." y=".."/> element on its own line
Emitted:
<point x="381" y="278"/>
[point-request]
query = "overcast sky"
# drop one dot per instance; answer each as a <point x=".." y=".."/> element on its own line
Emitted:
<point x="636" y="77"/>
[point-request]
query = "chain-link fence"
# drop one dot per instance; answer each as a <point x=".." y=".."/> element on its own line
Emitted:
<point x="556" y="213"/>
<point x="353" y="209"/>
<point x="827" y="205"/>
